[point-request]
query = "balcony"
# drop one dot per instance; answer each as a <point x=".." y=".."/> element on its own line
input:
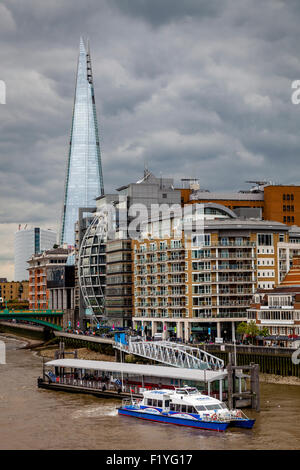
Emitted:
<point x="232" y="315"/>
<point x="234" y="267"/>
<point x="236" y="279"/>
<point x="234" y="303"/>
<point x="236" y="256"/>
<point x="233" y="244"/>
<point x="234" y="292"/>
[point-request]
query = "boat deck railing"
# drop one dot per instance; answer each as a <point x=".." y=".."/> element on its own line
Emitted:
<point x="96" y="385"/>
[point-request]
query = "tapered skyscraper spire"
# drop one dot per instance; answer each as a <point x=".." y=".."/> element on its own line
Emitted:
<point x="84" y="181"/>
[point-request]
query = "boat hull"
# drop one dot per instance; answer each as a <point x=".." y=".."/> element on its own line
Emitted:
<point x="167" y="419"/>
<point x="243" y="423"/>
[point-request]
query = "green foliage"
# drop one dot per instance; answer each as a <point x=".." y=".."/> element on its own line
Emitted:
<point x="264" y="332"/>
<point x="242" y="328"/>
<point x="251" y="330"/>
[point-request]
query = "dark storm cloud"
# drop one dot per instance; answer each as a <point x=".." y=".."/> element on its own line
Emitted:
<point x="158" y="12"/>
<point x="193" y="88"/>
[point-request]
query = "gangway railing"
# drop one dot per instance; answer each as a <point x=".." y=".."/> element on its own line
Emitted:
<point x="173" y="354"/>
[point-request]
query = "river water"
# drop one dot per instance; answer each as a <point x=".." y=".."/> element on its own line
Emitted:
<point x="31" y="418"/>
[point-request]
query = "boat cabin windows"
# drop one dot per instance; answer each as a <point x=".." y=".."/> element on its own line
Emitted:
<point x="174" y="407"/>
<point x="182" y="408"/>
<point x="187" y="390"/>
<point x="216" y="406"/>
<point x="200" y="408"/>
<point x="151" y="402"/>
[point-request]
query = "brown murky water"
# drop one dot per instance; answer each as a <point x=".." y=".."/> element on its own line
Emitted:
<point x="31" y="418"/>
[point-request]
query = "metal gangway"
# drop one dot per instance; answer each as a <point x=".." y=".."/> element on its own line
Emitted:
<point x="173" y="354"/>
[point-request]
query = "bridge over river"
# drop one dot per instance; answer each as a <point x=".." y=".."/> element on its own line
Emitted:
<point x="50" y="318"/>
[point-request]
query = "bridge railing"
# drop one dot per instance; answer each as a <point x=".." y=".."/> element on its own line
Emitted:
<point x="173" y="354"/>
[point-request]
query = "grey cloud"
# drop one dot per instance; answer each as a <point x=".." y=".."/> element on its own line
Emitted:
<point x="190" y="87"/>
<point x="158" y="12"/>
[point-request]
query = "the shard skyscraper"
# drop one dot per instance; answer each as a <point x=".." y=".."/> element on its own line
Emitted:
<point x="84" y="181"/>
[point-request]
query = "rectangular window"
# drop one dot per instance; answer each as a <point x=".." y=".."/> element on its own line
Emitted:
<point x="201" y="240"/>
<point x="265" y="239"/>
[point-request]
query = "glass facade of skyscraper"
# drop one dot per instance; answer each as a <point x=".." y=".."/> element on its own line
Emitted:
<point x="84" y="181"/>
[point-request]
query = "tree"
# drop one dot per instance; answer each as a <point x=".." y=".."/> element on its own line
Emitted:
<point x="251" y="330"/>
<point x="264" y="331"/>
<point x="242" y="328"/>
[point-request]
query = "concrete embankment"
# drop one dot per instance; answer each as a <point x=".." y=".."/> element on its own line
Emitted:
<point x="32" y="335"/>
<point x="271" y="361"/>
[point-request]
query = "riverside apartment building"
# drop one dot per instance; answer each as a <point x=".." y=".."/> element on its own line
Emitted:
<point x="198" y="289"/>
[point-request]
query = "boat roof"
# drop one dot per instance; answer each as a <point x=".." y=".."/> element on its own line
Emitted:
<point x="196" y="375"/>
<point x="177" y="397"/>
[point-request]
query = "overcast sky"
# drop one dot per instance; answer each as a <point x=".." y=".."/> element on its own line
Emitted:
<point x="192" y="87"/>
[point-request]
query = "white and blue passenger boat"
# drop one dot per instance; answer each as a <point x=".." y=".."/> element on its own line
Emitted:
<point x="185" y="406"/>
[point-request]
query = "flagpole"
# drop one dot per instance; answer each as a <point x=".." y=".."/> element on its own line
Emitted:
<point x="131" y="396"/>
<point x="121" y="363"/>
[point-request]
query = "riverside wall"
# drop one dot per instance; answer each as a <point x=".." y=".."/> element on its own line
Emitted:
<point x="277" y="361"/>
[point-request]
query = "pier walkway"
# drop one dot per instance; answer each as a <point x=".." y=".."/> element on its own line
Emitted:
<point x="92" y="339"/>
<point x="173" y="354"/>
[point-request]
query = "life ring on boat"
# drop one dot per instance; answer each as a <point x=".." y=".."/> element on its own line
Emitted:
<point x="214" y="417"/>
<point x="238" y="414"/>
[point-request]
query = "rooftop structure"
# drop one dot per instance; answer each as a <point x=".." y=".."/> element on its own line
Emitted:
<point x="265" y="200"/>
